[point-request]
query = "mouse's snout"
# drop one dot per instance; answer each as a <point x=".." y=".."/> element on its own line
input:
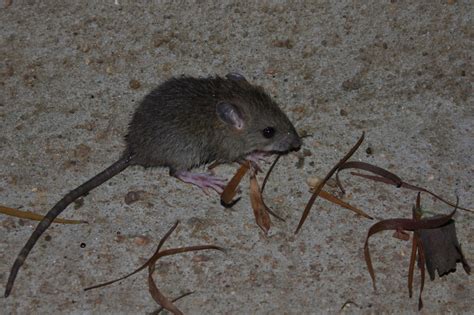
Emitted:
<point x="296" y="144"/>
<point x="289" y="142"/>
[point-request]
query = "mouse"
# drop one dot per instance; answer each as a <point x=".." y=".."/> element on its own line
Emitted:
<point x="184" y="123"/>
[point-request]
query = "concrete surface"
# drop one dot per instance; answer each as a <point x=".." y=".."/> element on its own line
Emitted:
<point x="71" y="75"/>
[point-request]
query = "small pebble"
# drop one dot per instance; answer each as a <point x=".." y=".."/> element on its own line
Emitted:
<point x="134" y="84"/>
<point x="313" y="181"/>
<point x="133" y="196"/>
<point x="78" y="203"/>
<point x="283" y="43"/>
<point x="200" y="258"/>
<point x="141" y="240"/>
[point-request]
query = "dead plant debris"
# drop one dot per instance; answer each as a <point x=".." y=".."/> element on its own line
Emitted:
<point x="434" y="243"/>
<point x="318" y="189"/>
<point x="162" y="300"/>
<point x="34" y="216"/>
<point x="261" y="211"/>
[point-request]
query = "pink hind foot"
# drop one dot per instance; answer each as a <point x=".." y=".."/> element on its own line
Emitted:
<point x="202" y="180"/>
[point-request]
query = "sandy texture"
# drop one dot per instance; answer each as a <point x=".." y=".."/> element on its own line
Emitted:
<point x="71" y="75"/>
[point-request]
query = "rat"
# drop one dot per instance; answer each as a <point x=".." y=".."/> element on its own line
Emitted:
<point x="188" y="122"/>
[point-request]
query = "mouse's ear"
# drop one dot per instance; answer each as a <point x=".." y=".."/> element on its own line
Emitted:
<point x="230" y="114"/>
<point x="235" y="76"/>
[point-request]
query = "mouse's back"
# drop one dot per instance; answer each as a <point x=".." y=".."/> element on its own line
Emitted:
<point x="186" y="122"/>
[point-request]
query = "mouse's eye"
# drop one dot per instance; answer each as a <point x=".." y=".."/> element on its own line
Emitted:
<point x="268" y="132"/>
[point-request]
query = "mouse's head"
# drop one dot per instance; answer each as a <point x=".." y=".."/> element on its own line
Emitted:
<point x="256" y="120"/>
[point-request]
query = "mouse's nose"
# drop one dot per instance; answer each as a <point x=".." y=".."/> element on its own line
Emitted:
<point x="296" y="144"/>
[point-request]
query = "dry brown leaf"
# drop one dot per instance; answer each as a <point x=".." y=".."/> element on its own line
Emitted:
<point x="400" y="224"/>
<point x="402" y="184"/>
<point x="34" y="216"/>
<point x="260" y="210"/>
<point x="329" y="197"/>
<point x="230" y="190"/>
<point x="151" y="262"/>
<point x="442" y="250"/>
<point x="416" y="225"/>
<point x="328" y="176"/>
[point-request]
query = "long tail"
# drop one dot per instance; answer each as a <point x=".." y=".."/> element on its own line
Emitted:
<point x="92" y="183"/>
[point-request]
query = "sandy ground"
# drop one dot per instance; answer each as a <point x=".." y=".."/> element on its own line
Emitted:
<point x="71" y="75"/>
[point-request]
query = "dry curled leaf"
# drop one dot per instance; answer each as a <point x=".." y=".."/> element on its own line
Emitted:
<point x="392" y="178"/>
<point x="400" y="224"/>
<point x="151" y="262"/>
<point x="230" y="190"/>
<point x="387" y="177"/>
<point x="267" y="176"/>
<point x="329" y="197"/>
<point x="158" y="311"/>
<point x="416" y="225"/>
<point x="442" y="250"/>
<point x="260" y="210"/>
<point x="328" y="176"/>
<point x="265" y="180"/>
